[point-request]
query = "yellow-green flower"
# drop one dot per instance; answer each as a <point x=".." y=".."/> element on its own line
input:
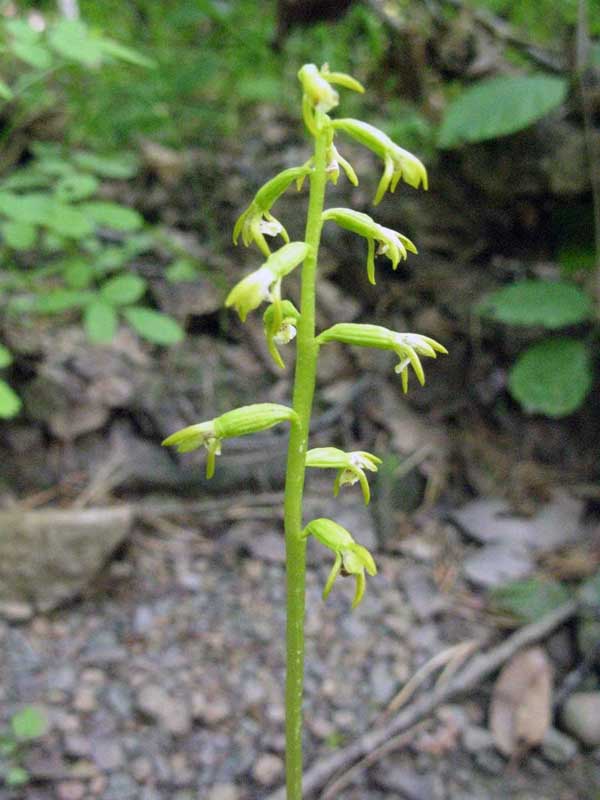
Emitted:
<point x="351" y="558"/>
<point x="392" y="244"/>
<point x="408" y="346"/>
<point x="238" y="422"/>
<point x="350" y="466"/>
<point x="397" y="162"/>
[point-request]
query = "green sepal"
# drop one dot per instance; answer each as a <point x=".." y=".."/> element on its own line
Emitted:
<point x="329" y="533"/>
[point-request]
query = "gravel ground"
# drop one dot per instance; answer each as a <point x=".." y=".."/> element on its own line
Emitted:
<point x="165" y="681"/>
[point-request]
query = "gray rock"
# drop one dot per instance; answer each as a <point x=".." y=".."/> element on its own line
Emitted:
<point x="581" y="717"/>
<point x="268" y="769"/>
<point x="476" y="738"/>
<point x="108" y="754"/>
<point x="383" y="682"/>
<point x="557" y="747"/>
<point x="491" y="521"/>
<point x="223" y="791"/>
<point x="424" y="598"/>
<point x="121" y="787"/>
<point x="154" y="702"/>
<point x="496" y="564"/>
<point x="409" y="784"/>
<point x="49" y="556"/>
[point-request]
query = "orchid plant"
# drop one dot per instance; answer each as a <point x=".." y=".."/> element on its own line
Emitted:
<point x="282" y="323"/>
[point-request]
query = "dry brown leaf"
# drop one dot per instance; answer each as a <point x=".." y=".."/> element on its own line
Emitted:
<point x="521" y="707"/>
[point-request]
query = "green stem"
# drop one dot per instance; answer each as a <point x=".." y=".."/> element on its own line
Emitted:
<point x="304" y="386"/>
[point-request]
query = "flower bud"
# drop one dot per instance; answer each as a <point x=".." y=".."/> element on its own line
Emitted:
<point x="318" y="91"/>
<point x="280" y="322"/>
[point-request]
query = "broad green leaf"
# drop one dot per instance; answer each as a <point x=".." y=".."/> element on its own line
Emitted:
<point x="72" y="40"/>
<point x="154" y="326"/>
<point x="529" y="599"/>
<point x="29" y="723"/>
<point x="112" y="215"/>
<point x="552" y="377"/>
<point x="10" y="402"/>
<point x="123" y="289"/>
<point x="32" y="53"/>
<point x="20" y="30"/>
<point x="61" y="300"/>
<point x="181" y="270"/>
<point x="552" y="304"/>
<point x="77" y="273"/>
<point x="5" y="91"/>
<point x="76" y="186"/>
<point x="67" y="220"/>
<point x="32" y="178"/>
<point x="123" y="53"/>
<point x="20" y="235"/>
<point x="100" y="322"/>
<point x="31" y="208"/>
<point x="17" y="776"/>
<point x="499" y="106"/>
<point x="120" y="166"/>
<point x="5" y="357"/>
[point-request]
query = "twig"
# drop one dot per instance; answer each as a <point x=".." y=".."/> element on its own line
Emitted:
<point x="477" y="670"/>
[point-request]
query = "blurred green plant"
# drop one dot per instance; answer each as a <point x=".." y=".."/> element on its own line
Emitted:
<point x="26" y="726"/>
<point x="553" y="376"/>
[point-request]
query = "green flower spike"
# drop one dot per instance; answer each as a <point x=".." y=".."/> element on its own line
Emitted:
<point x="408" y="346"/>
<point x="351" y="467"/>
<point x="351" y="558"/>
<point x="265" y="282"/>
<point x="280" y="322"/>
<point x="239" y="422"/>
<point x="391" y="243"/>
<point x="397" y="162"/>
<point x="257" y="221"/>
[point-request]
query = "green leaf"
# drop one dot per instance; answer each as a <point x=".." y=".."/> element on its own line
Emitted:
<point x="5" y="91"/>
<point x="499" y="106"/>
<point x="29" y="723"/>
<point x="67" y="220"/>
<point x="6" y="358"/>
<point x="77" y="273"/>
<point x="76" y="187"/>
<point x="10" y="402"/>
<point x="552" y="377"/>
<point x="71" y="39"/>
<point x="122" y="53"/>
<point x="16" y="776"/>
<point x="32" y="53"/>
<point x="112" y="215"/>
<point x="575" y="257"/>
<point x="100" y="322"/>
<point x="530" y="599"/>
<point x="552" y="304"/>
<point x="19" y="235"/>
<point x="60" y="300"/>
<point x="154" y="326"/>
<point x="181" y="270"/>
<point x="120" y="166"/>
<point x="123" y="289"/>
<point x="31" y="208"/>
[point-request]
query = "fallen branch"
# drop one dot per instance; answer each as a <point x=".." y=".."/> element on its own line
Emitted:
<point x="480" y="668"/>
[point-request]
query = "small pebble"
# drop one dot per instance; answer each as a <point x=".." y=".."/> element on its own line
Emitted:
<point x="268" y="769"/>
<point x="223" y="791"/>
<point x="70" y="790"/>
